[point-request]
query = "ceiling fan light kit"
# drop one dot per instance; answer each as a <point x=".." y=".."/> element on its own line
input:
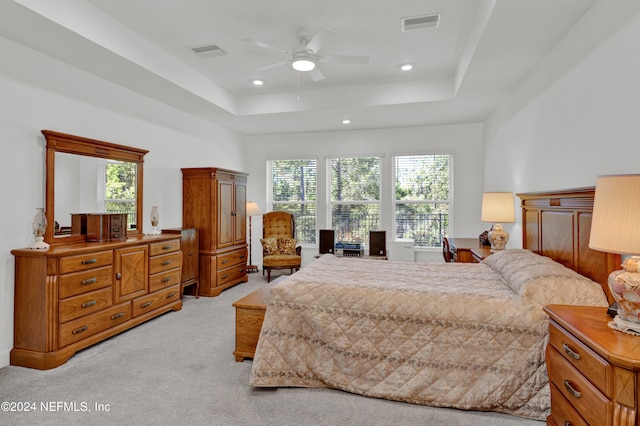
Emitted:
<point x="303" y="63"/>
<point x="305" y="57"/>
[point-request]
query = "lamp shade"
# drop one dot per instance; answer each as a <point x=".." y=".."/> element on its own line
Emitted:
<point x="253" y="209"/>
<point x="615" y="226"/>
<point x="498" y="207"/>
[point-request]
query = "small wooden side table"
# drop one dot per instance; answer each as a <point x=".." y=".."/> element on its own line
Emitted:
<point x="461" y="249"/>
<point x="594" y="371"/>
<point x="250" y="311"/>
<point x="480" y="254"/>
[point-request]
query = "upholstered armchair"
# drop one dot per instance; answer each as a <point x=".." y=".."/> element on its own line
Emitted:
<point x="279" y="248"/>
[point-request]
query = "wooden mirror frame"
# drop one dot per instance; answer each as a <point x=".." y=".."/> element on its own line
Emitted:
<point x="62" y="142"/>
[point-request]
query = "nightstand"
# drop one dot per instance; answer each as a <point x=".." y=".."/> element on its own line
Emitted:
<point x="480" y="254"/>
<point x="593" y="370"/>
<point x="462" y="249"/>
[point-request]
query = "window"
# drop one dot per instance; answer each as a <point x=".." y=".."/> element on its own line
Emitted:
<point x="120" y="190"/>
<point x="422" y="199"/>
<point x="355" y="198"/>
<point x="293" y="190"/>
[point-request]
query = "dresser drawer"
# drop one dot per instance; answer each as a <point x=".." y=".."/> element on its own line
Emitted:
<point x="231" y="274"/>
<point x="562" y="411"/>
<point x="155" y="300"/>
<point x="164" y="247"/>
<point x="232" y="258"/>
<point x="587" y="362"/>
<point x="82" y="282"/>
<point x="589" y="402"/>
<point x="82" y="262"/>
<point x="85" y="304"/>
<point x="84" y="327"/>
<point x="164" y="279"/>
<point x="164" y="262"/>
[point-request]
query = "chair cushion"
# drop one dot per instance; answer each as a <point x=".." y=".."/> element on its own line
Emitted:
<point x="286" y="246"/>
<point x="269" y="246"/>
<point x="281" y="260"/>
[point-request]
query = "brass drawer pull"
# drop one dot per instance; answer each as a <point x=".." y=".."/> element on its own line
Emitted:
<point x="117" y="316"/>
<point x="89" y="261"/>
<point x="225" y="261"/>
<point x="170" y="295"/>
<point x="80" y="330"/>
<point x="567" y="423"/>
<point x="166" y="262"/>
<point x="242" y="256"/>
<point x="89" y="281"/>
<point x="167" y="247"/>
<point x="166" y="280"/>
<point x="570" y="352"/>
<point x="242" y="269"/>
<point x="224" y="276"/>
<point x="146" y="305"/>
<point x="572" y="391"/>
<point x="88" y="304"/>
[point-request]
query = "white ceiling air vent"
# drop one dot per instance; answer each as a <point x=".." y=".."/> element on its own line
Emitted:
<point x="209" y="50"/>
<point x="420" y="22"/>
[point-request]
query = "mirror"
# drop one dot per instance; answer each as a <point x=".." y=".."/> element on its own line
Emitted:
<point x="90" y="176"/>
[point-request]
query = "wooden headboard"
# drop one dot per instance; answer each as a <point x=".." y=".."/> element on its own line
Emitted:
<point x="557" y="224"/>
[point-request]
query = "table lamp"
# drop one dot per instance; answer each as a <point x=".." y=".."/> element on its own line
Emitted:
<point x="615" y="228"/>
<point x="252" y="210"/>
<point x="497" y="207"/>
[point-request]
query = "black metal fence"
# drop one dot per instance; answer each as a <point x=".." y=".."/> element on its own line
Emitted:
<point x="426" y="230"/>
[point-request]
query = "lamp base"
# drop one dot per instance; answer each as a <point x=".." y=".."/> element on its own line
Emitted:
<point x="39" y="244"/>
<point x="498" y="237"/>
<point x="625" y="326"/>
<point x="252" y="268"/>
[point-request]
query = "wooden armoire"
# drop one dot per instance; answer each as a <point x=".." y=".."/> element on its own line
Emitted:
<point x="214" y="202"/>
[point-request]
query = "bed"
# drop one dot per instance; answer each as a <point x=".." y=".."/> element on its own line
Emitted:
<point x="467" y="336"/>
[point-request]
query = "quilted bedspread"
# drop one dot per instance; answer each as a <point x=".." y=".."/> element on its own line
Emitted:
<point x="469" y="336"/>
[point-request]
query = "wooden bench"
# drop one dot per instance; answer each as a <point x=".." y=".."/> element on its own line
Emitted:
<point x="249" y="317"/>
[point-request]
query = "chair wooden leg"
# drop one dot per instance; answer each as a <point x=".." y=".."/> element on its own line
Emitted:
<point x="269" y="275"/>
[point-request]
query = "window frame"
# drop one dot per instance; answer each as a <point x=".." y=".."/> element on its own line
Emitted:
<point x="450" y="202"/>
<point x="271" y="202"/>
<point x="330" y="203"/>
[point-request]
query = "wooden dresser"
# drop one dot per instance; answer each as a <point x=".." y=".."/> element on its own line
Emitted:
<point x="593" y="370"/>
<point x="214" y="201"/>
<point x="190" y="246"/>
<point x="74" y="295"/>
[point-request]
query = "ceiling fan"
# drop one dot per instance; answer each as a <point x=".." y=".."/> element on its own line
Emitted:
<point x="304" y="57"/>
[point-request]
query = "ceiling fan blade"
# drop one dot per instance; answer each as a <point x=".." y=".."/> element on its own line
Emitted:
<point x="316" y="75"/>
<point x="363" y="60"/>
<point x="322" y="37"/>
<point x="266" y="46"/>
<point x="268" y="67"/>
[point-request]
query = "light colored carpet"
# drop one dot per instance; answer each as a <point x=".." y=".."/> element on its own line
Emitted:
<point x="180" y="369"/>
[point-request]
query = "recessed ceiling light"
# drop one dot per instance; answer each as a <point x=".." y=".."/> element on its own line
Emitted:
<point x="346" y="121"/>
<point x="258" y="82"/>
<point x="406" y="67"/>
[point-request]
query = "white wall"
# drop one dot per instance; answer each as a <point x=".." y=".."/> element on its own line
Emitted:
<point x="38" y="93"/>
<point x="464" y="141"/>
<point x="577" y="115"/>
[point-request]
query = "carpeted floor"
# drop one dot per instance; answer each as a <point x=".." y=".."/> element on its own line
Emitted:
<point x="180" y="369"/>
